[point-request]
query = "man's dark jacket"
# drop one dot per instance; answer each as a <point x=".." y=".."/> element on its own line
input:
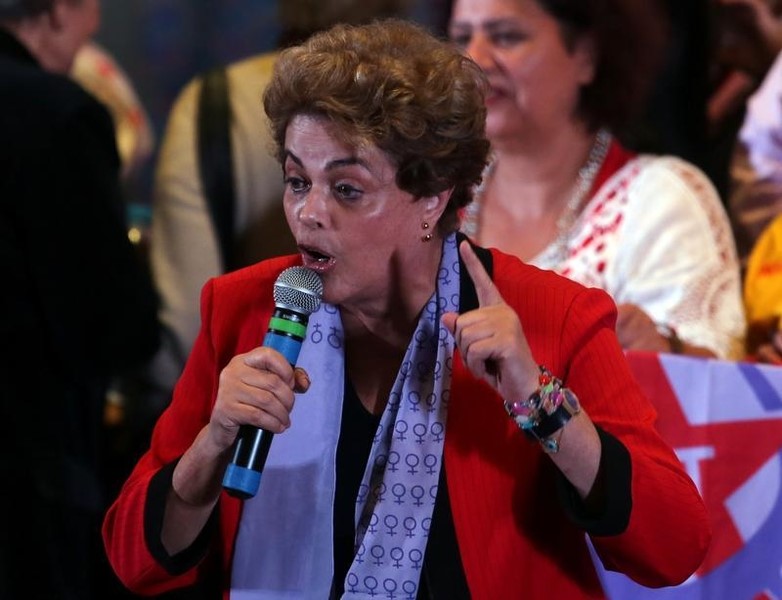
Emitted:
<point x="76" y="308"/>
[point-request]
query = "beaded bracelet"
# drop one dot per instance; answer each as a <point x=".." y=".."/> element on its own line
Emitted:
<point x="546" y="411"/>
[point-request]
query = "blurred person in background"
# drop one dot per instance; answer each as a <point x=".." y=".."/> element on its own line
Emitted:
<point x="755" y="197"/>
<point x="239" y="181"/>
<point x="562" y="193"/>
<point x="763" y="295"/>
<point x="97" y="71"/>
<point x="77" y="307"/>
<point x="743" y="38"/>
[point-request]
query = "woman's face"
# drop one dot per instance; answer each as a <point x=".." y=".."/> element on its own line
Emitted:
<point x="352" y="224"/>
<point x="534" y="81"/>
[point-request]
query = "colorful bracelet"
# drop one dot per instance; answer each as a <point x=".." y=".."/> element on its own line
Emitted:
<point x="546" y="411"/>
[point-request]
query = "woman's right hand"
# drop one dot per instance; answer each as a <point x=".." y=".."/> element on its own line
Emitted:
<point x="256" y="388"/>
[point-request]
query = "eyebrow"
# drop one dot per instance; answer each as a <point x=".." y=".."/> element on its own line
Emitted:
<point x="489" y="25"/>
<point x="334" y="164"/>
<point x="501" y="23"/>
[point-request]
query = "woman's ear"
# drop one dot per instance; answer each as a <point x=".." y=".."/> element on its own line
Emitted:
<point x="434" y="206"/>
<point x="585" y="51"/>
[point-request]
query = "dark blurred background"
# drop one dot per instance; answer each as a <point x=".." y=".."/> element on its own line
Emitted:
<point x="162" y="44"/>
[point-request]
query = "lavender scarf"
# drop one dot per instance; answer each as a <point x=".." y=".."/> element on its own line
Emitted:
<point x="284" y="547"/>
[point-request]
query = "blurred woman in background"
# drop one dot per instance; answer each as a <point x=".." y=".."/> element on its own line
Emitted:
<point x="562" y="193"/>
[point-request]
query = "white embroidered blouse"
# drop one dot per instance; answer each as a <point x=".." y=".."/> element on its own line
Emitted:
<point x="656" y="235"/>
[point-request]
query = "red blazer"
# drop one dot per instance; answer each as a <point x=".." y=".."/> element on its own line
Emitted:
<point x="514" y="534"/>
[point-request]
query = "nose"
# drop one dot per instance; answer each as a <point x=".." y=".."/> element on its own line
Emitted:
<point x="479" y="49"/>
<point x="313" y="209"/>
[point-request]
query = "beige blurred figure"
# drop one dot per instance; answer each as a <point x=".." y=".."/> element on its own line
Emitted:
<point x="96" y="70"/>
<point x="185" y="250"/>
<point x="99" y="73"/>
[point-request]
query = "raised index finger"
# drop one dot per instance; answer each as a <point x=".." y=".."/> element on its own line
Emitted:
<point x="484" y="286"/>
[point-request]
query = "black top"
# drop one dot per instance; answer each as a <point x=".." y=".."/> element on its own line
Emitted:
<point x="355" y="443"/>
<point x="442" y="575"/>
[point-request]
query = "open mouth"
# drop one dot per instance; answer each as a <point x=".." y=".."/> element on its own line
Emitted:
<point x="494" y="93"/>
<point x="315" y="259"/>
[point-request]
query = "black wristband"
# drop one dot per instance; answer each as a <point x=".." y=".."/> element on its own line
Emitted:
<point x="546" y="411"/>
<point x="550" y="424"/>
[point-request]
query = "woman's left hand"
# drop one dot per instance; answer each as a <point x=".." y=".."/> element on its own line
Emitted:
<point x="636" y="330"/>
<point x="490" y="338"/>
<point x="494" y="348"/>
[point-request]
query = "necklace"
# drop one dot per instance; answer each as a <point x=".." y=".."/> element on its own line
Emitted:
<point x="584" y="181"/>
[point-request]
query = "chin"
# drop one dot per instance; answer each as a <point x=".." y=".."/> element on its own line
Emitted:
<point x="331" y="292"/>
<point x="339" y="293"/>
<point x="504" y="123"/>
<point x="502" y="135"/>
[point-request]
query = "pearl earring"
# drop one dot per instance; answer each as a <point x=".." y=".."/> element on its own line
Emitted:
<point x="428" y="236"/>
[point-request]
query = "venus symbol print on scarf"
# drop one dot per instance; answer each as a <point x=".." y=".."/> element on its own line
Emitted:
<point x="399" y="487"/>
<point x="397" y="495"/>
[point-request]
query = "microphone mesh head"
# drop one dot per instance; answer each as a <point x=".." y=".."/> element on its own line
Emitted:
<point x="298" y="289"/>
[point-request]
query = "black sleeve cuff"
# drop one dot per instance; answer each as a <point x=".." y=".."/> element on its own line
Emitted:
<point x="159" y="487"/>
<point x="613" y="486"/>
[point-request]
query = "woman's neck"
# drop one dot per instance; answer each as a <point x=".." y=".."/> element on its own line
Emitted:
<point x="377" y="335"/>
<point x="540" y="172"/>
<point x="372" y="363"/>
<point x="532" y="196"/>
<point x="392" y="315"/>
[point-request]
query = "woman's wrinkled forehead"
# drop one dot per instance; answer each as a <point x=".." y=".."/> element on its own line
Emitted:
<point x="341" y="131"/>
<point x="350" y="145"/>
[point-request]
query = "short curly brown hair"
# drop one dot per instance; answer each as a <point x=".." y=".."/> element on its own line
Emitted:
<point x="394" y="85"/>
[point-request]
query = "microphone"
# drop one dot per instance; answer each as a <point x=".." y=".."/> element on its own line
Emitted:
<point x="297" y="294"/>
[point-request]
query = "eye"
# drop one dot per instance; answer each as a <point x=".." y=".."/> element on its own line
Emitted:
<point x="461" y="38"/>
<point x="297" y="184"/>
<point x="506" y="38"/>
<point x="347" y="192"/>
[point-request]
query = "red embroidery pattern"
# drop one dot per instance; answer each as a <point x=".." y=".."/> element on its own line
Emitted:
<point x="702" y="300"/>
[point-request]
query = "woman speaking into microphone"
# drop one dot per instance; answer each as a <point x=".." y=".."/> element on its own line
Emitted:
<point x="456" y="420"/>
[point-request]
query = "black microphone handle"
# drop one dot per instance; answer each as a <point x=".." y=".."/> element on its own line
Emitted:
<point x="287" y="330"/>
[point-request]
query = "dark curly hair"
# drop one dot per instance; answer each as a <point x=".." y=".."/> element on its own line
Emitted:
<point x="394" y="85"/>
<point x="629" y="38"/>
